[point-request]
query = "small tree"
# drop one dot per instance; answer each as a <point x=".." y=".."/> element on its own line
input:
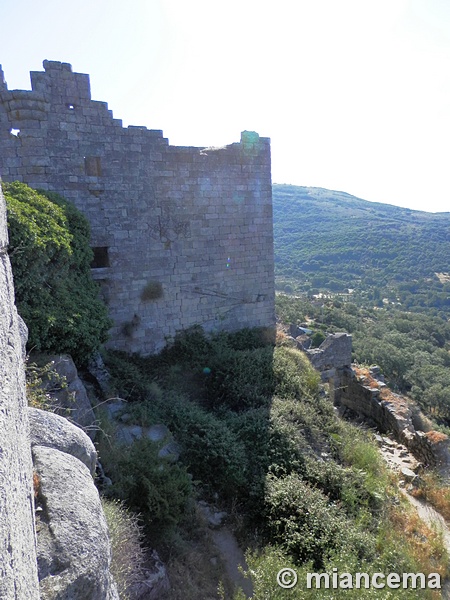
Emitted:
<point x="50" y="258"/>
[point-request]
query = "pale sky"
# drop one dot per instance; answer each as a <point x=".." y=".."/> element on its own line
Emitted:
<point x="354" y="94"/>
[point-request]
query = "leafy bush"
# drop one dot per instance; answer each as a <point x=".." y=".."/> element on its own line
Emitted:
<point x="240" y="379"/>
<point x="294" y="375"/>
<point x="266" y="564"/>
<point x="211" y="450"/>
<point x="302" y="521"/>
<point x="188" y="346"/>
<point x="50" y="258"/>
<point x="155" y="487"/>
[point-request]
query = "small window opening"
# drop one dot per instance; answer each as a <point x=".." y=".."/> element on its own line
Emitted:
<point x="101" y="258"/>
<point x="15" y="132"/>
<point x="71" y="106"/>
<point x="93" y="166"/>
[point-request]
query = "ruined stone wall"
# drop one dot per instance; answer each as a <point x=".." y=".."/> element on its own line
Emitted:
<point x="18" y="568"/>
<point x="431" y="448"/>
<point x="182" y="235"/>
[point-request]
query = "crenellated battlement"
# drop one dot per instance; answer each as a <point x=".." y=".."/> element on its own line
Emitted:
<point x="22" y="105"/>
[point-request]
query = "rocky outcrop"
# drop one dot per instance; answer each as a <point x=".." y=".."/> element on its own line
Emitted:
<point x="73" y="551"/>
<point x="52" y="431"/>
<point x="126" y="432"/>
<point x="18" y="567"/>
<point x="67" y="391"/>
<point x="54" y="547"/>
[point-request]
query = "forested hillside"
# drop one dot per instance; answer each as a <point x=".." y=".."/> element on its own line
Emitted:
<point x="331" y="241"/>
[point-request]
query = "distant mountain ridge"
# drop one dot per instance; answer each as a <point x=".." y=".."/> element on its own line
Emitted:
<point x="331" y="240"/>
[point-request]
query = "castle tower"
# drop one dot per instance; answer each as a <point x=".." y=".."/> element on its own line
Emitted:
<point x="181" y="235"/>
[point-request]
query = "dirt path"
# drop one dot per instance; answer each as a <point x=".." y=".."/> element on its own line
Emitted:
<point x="401" y="460"/>
<point x="233" y="557"/>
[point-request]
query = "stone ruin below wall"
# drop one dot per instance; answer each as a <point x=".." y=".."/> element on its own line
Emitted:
<point x="365" y="394"/>
<point x="181" y="235"/>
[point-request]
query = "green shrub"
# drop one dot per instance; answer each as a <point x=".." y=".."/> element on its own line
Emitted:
<point x="266" y="564"/>
<point x="317" y="338"/>
<point x="240" y="379"/>
<point x="211" y="450"/>
<point x="294" y="375"/>
<point x="50" y="258"/>
<point x="189" y="346"/>
<point x="302" y="521"/>
<point x="155" y="487"/>
<point x="129" y="374"/>
<point x="353" y="448"/>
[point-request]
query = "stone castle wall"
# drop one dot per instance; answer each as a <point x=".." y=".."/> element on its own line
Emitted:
<point x="181" y="235"/>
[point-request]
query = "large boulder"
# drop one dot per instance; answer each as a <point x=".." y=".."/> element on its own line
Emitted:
<point x="73" y="550"/>
<point x="53" y="431"/>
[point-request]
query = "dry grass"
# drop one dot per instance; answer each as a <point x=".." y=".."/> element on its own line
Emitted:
<point x="436" y="436"/>
<point x="127" y="549"/>
<point x="424" y="545"/>
<point x="36" y="484"/>
<point x="435" y="492"/>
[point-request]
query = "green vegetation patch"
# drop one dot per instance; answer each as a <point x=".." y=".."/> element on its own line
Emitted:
<point x="50" y="258"/>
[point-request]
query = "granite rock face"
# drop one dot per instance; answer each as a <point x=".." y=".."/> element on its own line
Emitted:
<point x="18" y="570"/>
<point x="53" y="431"/>
<point x="70" y="399"/>
<point x="55" y="547"/>
<point x="73" y="550"/>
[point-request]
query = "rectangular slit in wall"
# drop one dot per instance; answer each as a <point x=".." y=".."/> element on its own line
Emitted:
<point x="101" y="257"/>
<point x="93" y="166"/>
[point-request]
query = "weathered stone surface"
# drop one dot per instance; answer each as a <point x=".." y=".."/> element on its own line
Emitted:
<point x="183" y="236"/>
<point x="431" y="448"/>
<point x="170" y="451"/>
<point x="408" y="474"/>
<point x="155" y="582"/>
<point x="97" y="369"/>
<point x="127" y="434"/>
<point x="335" y="352"/>
<point x="53" y="431"/>
<point x="18" y="572"/>
<point x="73" y="547"/>
<point x="23" y="332"/>
<point x="71" y="401"/>
<point x="158" y="433"/>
